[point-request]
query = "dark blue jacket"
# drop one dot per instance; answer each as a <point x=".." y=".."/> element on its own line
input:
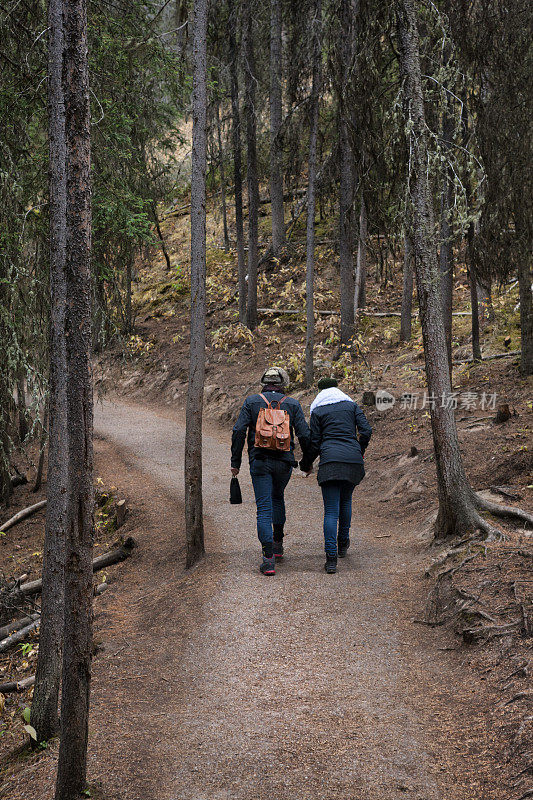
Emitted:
<point x="248" y="419"/>
<point x="334" y="434"/>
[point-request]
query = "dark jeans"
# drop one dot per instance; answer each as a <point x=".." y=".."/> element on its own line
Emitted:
<point x="337" y="496"/>
<point x="269" y="478"/>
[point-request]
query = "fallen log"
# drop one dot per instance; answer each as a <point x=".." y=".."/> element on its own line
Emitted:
<point x="17" y="624"/>
<point x="100" y="562"/>
<point x="19" y="636"/>
<point x="489" y="358"/>
<point x="26" y="512"/>
<point x="17" y="686"/>
<point x="362" y="312"/>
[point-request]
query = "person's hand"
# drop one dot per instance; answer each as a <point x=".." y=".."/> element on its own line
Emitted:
<point x="234" y="471"/>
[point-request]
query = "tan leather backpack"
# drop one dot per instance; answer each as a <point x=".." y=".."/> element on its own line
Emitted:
<point x="272" y="431"/>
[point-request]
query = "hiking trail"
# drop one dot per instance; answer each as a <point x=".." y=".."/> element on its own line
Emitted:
<point x="222" y="684"/>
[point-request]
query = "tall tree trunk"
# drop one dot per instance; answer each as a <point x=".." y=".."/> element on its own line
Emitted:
<point x="476" y="346"/>
<point x="21" y="408"/>
<point x="42" y="450"/>
<point x="153" y="208"/>
<point x="407" y="293"/>
<point x="44" y="708"/>
<point x="237" y="159"/>
<point x="253" y="186"/>
<point x="446" y="233"/>
<point x="276" y="150"/>
<point x="347" y="285"/>
<point x="128" y="314"/>
<point x="457" y="502"/>
<point x="195" y="392"/>
<point x="222" y="180"/>
<point x="360" y="270"/>
<point x="470" y="259"/>
<point x="525" y="287"/>
<point x="77" y="635"/>
<point x="316" y="29"/>
<point x="5" y="393"/>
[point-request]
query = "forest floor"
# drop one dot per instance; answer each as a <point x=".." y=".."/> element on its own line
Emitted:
<point x="219" y="683"/>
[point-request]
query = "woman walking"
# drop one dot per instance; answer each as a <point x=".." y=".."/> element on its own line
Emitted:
<point x="340" y="434"/>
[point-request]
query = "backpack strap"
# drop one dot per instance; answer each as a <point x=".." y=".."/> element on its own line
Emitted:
<point x="279" y="402"/>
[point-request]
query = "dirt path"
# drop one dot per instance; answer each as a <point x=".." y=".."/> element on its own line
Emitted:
<point x="221" y="684"/>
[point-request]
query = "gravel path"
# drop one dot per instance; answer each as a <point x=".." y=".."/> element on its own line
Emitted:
<point x="304" y="686"/>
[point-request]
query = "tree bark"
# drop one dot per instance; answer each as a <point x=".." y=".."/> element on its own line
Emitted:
<point x="407" y="293"/>
<point x="78" y="590"/>
<point x="360" y="271"/>
<point x="311" y="195"/>
<point x="195" y="392"/>
<point x="222" y="180"/>
<point x="44" y="710"/>
<point x="276" y="150"/>
<point x="253" y="186"/>
<point x="237" y="159"/>
<point x="347" y="286"/>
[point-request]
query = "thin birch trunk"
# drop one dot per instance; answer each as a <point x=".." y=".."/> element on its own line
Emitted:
<point x="195" y="392"/>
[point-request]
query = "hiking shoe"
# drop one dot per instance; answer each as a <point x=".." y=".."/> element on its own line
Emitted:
<point x="278" y="549"/>
<point x="331" y="564"/>
<point x="343" y="548"/>
<point x="268" y="567"/>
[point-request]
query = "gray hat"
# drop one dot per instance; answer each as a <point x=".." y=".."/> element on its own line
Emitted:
<point x="275" y="376"/>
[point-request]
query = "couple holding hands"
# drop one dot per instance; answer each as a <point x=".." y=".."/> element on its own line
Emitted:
<point x="338" y="432"/>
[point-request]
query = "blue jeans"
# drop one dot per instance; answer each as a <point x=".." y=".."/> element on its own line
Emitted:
<point x="269" y="478"/>
<point x="337" y="496"/>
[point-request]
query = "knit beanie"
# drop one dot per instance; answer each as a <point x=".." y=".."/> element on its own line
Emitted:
<point x="327" y="383"/>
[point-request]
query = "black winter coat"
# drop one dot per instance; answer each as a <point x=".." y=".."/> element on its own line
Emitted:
<point x="334" y="434"/>
<point x="247" y="421"/>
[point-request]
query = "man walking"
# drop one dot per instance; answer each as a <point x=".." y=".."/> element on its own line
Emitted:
<point x="271" y="420"/>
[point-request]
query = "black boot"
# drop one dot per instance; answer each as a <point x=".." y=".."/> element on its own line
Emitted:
<point x="278" y="540"/>
<point x="331" y="564"/>
<point x="343" y="548"/>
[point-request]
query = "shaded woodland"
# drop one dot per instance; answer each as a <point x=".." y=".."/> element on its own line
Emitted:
<point x="405" y="127"/>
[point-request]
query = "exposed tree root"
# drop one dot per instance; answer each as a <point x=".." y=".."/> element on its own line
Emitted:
<point x="498" y="510"/>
